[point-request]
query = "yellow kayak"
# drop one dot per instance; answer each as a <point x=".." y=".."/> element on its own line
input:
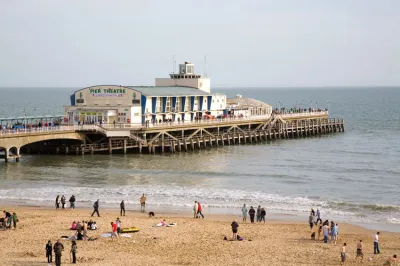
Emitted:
<point x="130" y="230"/>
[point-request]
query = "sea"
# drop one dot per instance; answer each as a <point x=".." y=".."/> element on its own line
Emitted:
<point x="352" y="177"/>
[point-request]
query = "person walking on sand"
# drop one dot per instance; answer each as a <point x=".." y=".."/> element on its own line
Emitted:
<point x="72" y="202"/>
<point x="96" y="208"/>
<point x="143" y="203"/>
<point x="199" y="210"/>
<point x="376" y="243"/>
<point x="73" y="251"/>
<point x="235" y="227"/>
<point x="343" y="254"/>
<point x="118" y="222"/>
<point x="325" y="230"/>
<point x="57" y="202"/>
<point x="252" y="213"/>
<point x="49" y="250"/>
<point x="63" y="201"/>
<point x="114" y="231"/>
<point x="244" y="213"/>
<point x="318" y="217"/>
<point x="360" y="250"/>
<point x="195" y="209"/>
<point x="334" y="232"/>
<point x="58" y="249"/>
<point x="311" y="221"/>
<point x="122" y="206"/>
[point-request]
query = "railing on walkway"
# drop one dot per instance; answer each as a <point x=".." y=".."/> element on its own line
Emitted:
<point x="104" y="127"/>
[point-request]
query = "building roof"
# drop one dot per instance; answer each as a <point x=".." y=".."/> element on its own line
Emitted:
<point x="238" y="101"/>
<point x="168" y="91"/>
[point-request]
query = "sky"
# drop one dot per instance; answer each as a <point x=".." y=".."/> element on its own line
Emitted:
<point x="255" y="43"/>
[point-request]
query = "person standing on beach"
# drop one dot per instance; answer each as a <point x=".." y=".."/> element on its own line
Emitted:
<point x="8" y="218"/>
<point x="235" y="227"/>
<point x="360" y="250"/>
<point x="122" y="206"/>
<point x="63" y="201"/>
<point x="311" y="221"/>
<point x="252" y="213"/>
<point x="15" y="220"/>
<point x="318" y="217"/>
<point x="73" y="251"/>
<point x="118" y="222"/>
<point x="195" y="209"/>
<point x="376" y="243"/>
<point x="259" y="214"/>
<point x="96" y="208"/>
<point x="244" y="213"/>
<point x="325" y="230"/>
<point x="72" y="202"/>
<point x="334" y="232"/>
<point x="49" y="250"/>
<point x="58" y="202"/>
<point x="58" y="249"/>
<point x="343" y="254"/>
<point x="262" y="215"/>
<point x="142" y="203"/>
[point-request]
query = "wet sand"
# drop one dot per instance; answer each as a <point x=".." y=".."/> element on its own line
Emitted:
<point x="191" y="242"/>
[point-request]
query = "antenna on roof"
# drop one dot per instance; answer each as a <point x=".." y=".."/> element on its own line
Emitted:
<point x="205" y="66"/>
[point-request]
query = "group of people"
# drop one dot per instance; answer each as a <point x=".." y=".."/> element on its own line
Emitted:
<point x="116" y="229"/>
<point x="63" y="202"/>
<point x="9" y="220"/>
<point x="58" y="248"/>
<point x="259" y="214"/>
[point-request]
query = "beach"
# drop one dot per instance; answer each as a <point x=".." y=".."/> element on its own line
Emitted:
<point x="191" y="242"/>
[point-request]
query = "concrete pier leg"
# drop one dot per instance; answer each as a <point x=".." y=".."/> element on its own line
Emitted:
<point x="210" y="141"/>
<point x="140" y="147"/>
<point x="109" y="146"/>
<point x="198" y="143"/>
<point x="192" y="144"/>
<point x="82" y="150"/>
<point x="91" y="149"/>
<point x="204" y="142"/>
<point x="6" y="155"/>
<point x="222" y="140"/>
<point x="229" y="140"/>
<point x="58" y="150"/>
<point x="154" y="149"/>
<point x="17" y="156"/>
<point x="66" y="150"/>
<point x="162" y="146"/>
<point x="124" y="146"/>
<point x="149" y="147"/>
<point x="179" y="145"/>
<point x="77" y="150"/>
<point x="185" y="144"/>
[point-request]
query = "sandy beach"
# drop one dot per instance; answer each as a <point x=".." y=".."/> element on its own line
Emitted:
<point x="191" y="242"/>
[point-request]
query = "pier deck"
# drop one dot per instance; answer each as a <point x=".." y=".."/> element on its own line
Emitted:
<point x="165" y="137"/>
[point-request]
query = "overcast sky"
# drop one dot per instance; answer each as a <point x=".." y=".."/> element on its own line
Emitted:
<point x="247" y="43"/>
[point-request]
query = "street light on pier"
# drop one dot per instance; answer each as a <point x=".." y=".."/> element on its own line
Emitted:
<point x="25" y="119"/>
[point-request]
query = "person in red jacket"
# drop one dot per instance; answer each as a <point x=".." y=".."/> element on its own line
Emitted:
<point x="199" y="209"/>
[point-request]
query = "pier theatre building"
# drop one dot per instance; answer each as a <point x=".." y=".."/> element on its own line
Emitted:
<point x="184" y="96"/>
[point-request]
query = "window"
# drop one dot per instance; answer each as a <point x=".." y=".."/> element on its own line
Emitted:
<point x="159" y="105"/>
<point x="178" y="107"/>
<point x="168" y="105"/>
<point x="187" y="104"/>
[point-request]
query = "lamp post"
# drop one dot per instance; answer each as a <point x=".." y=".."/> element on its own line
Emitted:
<point x="328" y="105"/>
<point x="25" y="119"/>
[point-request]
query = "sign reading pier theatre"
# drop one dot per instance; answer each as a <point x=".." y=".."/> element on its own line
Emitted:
<point x="107" y="92"/>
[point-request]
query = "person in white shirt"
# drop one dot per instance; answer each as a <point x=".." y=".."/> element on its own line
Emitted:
<point x="325" y="230"/>
<point x="376" y="243"/>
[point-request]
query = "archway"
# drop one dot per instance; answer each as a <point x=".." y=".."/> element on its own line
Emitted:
<point x="52" y="146"/>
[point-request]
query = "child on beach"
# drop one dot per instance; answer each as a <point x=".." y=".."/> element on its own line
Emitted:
<point x="114" y="231"/>
<point x="343" y="254"/>
<point x="360" y="248"/>
<point x="235" y="226"/>
<point x="391" y="261"/>
<point x="15" y="220"/>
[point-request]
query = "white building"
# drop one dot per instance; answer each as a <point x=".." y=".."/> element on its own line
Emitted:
<point x="183" y="96"/>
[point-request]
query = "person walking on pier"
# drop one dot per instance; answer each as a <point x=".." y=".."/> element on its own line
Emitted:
<point x="122" y="206"/>
<point x="142" y="203"/>
<point x="58" y="202"/>
<point x="96" y="208"/>
<point x="63" y="201"/>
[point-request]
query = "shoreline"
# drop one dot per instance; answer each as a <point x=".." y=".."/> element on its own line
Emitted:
<point x="213" y="212"/>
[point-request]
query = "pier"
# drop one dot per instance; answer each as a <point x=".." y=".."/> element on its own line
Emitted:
<point x="166" y="137"/>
